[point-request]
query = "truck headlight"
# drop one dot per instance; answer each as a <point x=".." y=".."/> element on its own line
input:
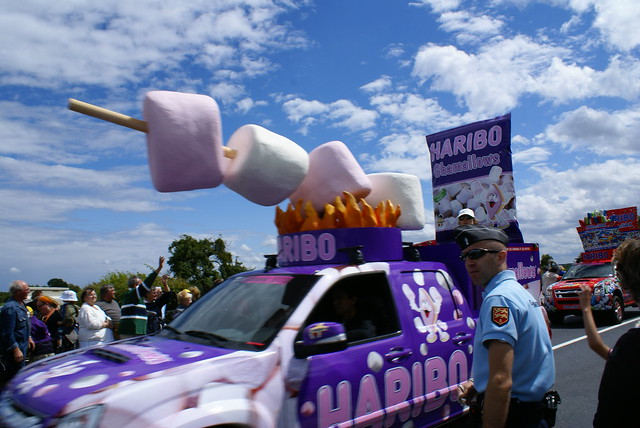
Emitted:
<point x="598" y="290"/>
<point x="89" y="417"/>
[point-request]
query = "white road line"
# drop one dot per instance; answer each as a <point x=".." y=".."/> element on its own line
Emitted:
<point x="578" y="339"/>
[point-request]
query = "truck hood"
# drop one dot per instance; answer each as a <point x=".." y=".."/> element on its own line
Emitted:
<point x="99" y="375"/>
<point x="575" y="282"/>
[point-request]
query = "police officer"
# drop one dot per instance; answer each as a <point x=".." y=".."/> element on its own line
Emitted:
<point x="513" y="365"/>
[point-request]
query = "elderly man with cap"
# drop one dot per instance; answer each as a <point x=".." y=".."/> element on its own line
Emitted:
<point x="513" y="365"/>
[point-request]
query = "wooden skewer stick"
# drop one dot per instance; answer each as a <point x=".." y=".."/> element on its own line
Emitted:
<point x="122" y="120"/>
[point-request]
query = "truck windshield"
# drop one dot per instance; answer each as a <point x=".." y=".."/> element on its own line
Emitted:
<point x="579" y="271"/>
<point x="245" y="312"/>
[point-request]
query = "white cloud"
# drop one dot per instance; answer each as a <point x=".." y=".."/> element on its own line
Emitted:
<point x="598" y="131"/>
<point x="52" y="134"/>
<point x="44" y="207"/>
<point x="562" y="82"/>
<point x="129" y="250"/>
<point x="378" y="85"/>
<point x="470" y="27"/>
<point x="226" y="92"/>
<point x="618" y="22"/>
<point x="114" y="42"/>
<point x="408" y="109"/>
<point x="395" y="50"/>
<point x="25" y="174"/>
<point x="493" y="80"/>
<point x="406" y="153"/>
<point x="489" y="82"/>
<point x="347" y="115"/>
<point x="549" y="210"/>
<point x="530" y="156"/>
<point x="247" y="104"/>
<point x="297" y="109"/>
<point x="340" y="113"/>
<point x="438" y="5"/>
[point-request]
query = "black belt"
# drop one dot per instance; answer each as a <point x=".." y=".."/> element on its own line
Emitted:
<point x="515" y="402"/>
<point x="518" y="410"/>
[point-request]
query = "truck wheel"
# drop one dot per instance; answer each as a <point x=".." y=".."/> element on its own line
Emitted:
<point x="617" y="311"/>
<point x="556" y="318"/>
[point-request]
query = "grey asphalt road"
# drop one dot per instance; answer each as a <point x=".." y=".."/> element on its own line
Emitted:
<point x="578" y="369"/>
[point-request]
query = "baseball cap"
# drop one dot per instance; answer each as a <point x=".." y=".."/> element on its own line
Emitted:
<point x="466" y="211"/>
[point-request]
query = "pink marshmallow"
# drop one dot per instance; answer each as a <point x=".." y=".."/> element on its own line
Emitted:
<point x="332" y="170"/>
<point x="184" y="141"/>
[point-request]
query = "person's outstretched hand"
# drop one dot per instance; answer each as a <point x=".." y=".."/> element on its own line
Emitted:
<point x="585" y="296"/>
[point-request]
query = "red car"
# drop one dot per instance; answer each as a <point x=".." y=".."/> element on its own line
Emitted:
<point x="608" y="301"/>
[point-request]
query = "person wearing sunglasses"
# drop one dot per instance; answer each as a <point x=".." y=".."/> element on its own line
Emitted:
<point x="513" y="365"/>
<point x="466" y="217"/>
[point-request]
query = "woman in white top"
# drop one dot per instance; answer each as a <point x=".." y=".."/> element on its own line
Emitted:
<point x="94" y="325"/>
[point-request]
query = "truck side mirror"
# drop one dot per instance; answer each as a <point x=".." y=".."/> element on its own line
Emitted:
<point x="321" y="338"/>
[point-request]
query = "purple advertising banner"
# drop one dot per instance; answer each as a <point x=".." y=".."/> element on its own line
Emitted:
<point x="471" y="168"/>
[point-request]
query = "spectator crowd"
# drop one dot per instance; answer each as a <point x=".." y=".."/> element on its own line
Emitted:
<point x="35" y="326"/>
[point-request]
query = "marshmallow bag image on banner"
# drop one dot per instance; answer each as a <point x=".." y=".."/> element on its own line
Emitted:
<point x="471" y="168"/>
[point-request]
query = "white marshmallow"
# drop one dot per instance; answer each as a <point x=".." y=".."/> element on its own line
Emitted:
<point x="401" y="189"/>
<point x="477" y="187"/>
<point x="453" y="189"/>
<point x="494" y="174"/>
<point x="444" y="207"/>
<point x="456" y="206"/>
<point x="464" y="196"/>
<point x="481" y="214"/>
<point x="268" y="167"/>
<point x="473" y="203"/>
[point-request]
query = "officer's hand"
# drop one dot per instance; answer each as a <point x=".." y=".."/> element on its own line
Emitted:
<point x="467" y="394"/>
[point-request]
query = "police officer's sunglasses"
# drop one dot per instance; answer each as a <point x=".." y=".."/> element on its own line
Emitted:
<point x="476" y="253"/>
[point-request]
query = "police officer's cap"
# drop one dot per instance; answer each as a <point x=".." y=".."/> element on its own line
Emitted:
<point x="467" y="235"/>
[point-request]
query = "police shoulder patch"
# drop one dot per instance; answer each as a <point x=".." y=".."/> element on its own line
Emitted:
<point x="500" y="315"/>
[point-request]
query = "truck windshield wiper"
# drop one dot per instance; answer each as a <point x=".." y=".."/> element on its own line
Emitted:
<point x="216" y="338"/>
<point x="175" y="330"/>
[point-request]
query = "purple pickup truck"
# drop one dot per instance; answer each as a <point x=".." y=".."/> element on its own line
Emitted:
<point x="346" y="328"/>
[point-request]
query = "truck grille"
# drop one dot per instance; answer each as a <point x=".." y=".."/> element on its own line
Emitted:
<point x="571" y="293"/>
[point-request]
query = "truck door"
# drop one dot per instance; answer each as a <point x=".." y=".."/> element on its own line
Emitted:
<point x="442" y="332"/>
<point x="370" y="382"/>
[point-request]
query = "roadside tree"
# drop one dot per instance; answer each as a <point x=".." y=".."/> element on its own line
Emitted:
<point x="202" y="261"/>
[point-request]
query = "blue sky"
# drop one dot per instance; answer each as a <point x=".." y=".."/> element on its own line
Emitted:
<point x="76" y="199"/>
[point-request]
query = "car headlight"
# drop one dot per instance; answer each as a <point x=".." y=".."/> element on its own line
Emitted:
<point x="598" y="290"/>
<point x="89" y="417"/>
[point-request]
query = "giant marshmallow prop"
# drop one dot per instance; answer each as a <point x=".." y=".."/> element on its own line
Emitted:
<point x="332" y="170"/>
<point x="401" y="189"/>
<point x="267" y="167"/>
<point x="184" y="141"/>
<point x="186" y="153"/>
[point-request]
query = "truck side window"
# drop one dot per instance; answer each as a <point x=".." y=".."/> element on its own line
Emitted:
<point x="362" y="303"/>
